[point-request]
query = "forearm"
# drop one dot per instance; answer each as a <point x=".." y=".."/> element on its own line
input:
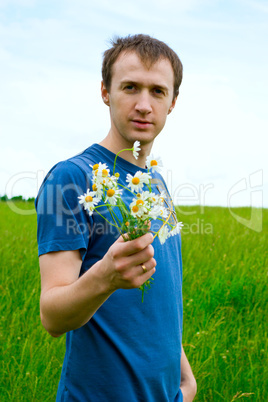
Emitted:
<point x="69" y="301"/>
<point x="188" y="382"/>
<point x="67" y="307"/>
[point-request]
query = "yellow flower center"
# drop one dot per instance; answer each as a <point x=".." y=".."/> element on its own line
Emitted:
<point x="153" y="162"/>
<point x="139" y="202"/>
<point x="138" y="195"/>
<point x="94" y="187"/>
<point x="127" y="223"/>
<point x="104" y="173"/>
<point x="135" y="180"/>
<point x="88" y="198"/>
<point x="110" y="192"/>
<point x="135" y="209"/>
<point x="117" y="174"/>
<point x="95" y="167"/>
<point x="96" y="172"/>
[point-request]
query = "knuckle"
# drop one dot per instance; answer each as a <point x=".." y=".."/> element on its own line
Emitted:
<point x="151" y="265"/>
<point x="129" y="280"/>
<point x="150" y="237"/>
<point x="139" y="244"/>
<point x="113" y="253"/>
<point x="150" y="251"/>
<point x="120" y="265"/>
<point x="135" y="283"/>
<point x="124" y="276"/>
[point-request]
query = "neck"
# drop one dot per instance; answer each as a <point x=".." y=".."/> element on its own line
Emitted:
<point x="113" y="145"/>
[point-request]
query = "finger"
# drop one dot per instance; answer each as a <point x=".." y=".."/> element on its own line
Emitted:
<point x="148" y="266"/>
<point x="144" y="277"/>
<point x="121" y="239"/>
<point x="141" y="257"/>
<point x="144" y="268"/>
<point x="126" y="248"/>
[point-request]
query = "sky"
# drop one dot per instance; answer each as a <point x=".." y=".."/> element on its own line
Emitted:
<point x="214" y="144"/>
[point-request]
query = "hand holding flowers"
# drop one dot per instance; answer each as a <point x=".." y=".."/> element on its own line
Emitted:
<point x="133" y="220"/>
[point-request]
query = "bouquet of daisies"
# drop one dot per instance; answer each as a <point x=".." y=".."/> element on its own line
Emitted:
<point x="146" y="206"/>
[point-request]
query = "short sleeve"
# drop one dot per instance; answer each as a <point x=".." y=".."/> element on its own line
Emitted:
<point x="62" y="223"/>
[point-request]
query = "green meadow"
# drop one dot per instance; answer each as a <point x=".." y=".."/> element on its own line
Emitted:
<point x="225" y="306"/>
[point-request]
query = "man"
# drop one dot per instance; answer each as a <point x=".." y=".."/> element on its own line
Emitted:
<point x="117" y="348"/>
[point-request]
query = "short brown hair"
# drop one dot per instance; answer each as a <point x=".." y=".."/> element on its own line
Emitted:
<point x="149" y="49"/>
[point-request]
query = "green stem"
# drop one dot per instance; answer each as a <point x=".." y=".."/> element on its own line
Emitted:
<point x="121" y="185"/>
<point x="106" y="219"/>
<point x="126" y="149"/>
<point x="150" y="186"/>
<point x="112" y="215"/>
<point x="163" y="224"/>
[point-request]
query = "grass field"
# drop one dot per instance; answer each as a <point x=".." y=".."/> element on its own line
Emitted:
<point x="225" y="308"/>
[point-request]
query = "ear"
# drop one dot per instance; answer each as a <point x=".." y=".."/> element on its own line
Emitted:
<point x="172" y="105"/>
<point x="105" y="94"/>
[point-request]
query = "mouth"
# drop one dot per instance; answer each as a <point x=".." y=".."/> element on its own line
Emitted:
<point x="141" y="123"/>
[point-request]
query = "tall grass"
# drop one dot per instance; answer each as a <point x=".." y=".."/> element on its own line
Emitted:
<point x="225" y="308"/>
<point x="31" y="359"/>
<point x="225" y="305"/>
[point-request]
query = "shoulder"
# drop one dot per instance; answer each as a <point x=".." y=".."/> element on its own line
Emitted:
<point x="64" y="173"/>
<point x="160" y="182"/>
<point x="71" y="174"/>
<point x="75" y="169"/>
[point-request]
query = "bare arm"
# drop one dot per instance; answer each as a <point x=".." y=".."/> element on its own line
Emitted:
<point x="68" y="301"/>
<point x="188" y="382"/>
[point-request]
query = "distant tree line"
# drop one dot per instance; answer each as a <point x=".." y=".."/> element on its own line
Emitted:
<point x="16" y="198"/>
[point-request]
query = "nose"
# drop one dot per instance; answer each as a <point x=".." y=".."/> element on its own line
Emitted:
<point x="143" y="104"/>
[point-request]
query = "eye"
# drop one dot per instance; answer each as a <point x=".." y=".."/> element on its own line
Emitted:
<point x="129" y="87"/>
<point x="158" y="91"/>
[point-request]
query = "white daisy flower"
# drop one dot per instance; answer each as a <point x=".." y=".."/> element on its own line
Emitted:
<point x="153" y="199"/>
<point x="136" y="182"/>
<point x="101" y="170"/>
<point x="137" y="210"/>
<point x="161" y="197"/>
<point x="136" y="149"/>
<point x="145" y="196"/>
<point x="134" y="210"/>
<point x="142" y="206"/>
<point x="145" y="177"/>
<point x="154" y="212"/>
<point x="97" y="188"/>
<point x="154" y="163"/>
<point x="89" y="200"/>
<point x="94" y="167"/>
<point x="105" y="181"/>
<point x="163" y="234"/>
<point x="163" y="212"/>
<point x="115" y="177"/>
<point x="99" y="180"/>
<point x="112" y="195"/>
<point x="176" y="229"/>
<point x="158" y="211"/>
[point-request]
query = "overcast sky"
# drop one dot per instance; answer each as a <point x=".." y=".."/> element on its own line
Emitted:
<point x="214" y="145"/>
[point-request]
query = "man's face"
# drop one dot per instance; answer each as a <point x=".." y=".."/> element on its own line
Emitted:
<point x="139" y="98"/>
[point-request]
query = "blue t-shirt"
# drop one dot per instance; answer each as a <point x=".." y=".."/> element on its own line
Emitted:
<point x="129" y="350"/>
